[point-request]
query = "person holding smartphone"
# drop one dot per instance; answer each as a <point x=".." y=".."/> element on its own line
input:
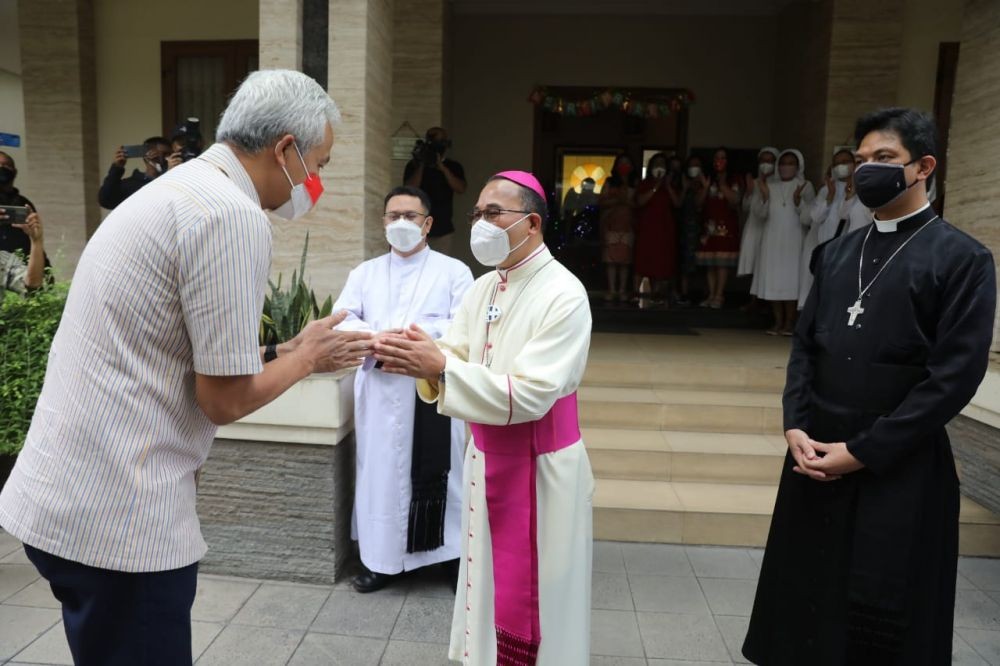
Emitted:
<point x="15" y="274"/>
<point x="13" y="237"/>
<point x="116" y="188"/>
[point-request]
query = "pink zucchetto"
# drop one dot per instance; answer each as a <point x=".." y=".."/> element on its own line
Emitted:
<point x="524" y="179"/>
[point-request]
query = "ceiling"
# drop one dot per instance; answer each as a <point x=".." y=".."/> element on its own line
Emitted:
<point x="624" y="7"/>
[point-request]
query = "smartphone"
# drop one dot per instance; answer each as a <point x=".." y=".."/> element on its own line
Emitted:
<point x="138" y="150"/>
<point x="15" y="214"/>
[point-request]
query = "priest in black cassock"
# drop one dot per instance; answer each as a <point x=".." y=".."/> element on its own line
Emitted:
<point x="892" y="343"/>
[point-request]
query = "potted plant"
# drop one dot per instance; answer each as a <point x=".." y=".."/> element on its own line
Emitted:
<point x="317" y="410"/>
<point x="287" y="311"/>
<point x="27" y="326"/>
<point x="276" y="492"/>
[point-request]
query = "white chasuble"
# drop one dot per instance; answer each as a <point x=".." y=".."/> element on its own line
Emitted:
<point x="516" y="353"/>
<point x="381" y="294"/>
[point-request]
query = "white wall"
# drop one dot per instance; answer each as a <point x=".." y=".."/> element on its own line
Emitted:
<point x="128" y="36"/>
<point x="11" y="97"/>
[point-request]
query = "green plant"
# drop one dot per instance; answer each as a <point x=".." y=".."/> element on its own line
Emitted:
<point x="27" y="325"/>
<point x="287" y="311"/>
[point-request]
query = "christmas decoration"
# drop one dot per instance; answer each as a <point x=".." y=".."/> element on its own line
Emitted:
<point x="655" y="106"/>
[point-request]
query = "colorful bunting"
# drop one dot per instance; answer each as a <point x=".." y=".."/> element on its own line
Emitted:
<point x="638" y="106"/>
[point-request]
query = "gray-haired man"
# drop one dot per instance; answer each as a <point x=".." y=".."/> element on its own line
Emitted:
<point x="158" y="346"/>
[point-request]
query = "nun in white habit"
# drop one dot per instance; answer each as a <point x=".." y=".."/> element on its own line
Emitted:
<point x="784" y="206"/>
<point x="753" y="227"/>
<point x="824" y="217"/>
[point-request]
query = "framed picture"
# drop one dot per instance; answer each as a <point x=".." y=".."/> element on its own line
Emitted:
<point x="580" y="175"/>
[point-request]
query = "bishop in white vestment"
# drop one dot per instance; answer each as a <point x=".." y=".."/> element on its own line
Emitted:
<point x="510" y="365"/>
<point x="412" y="284"/>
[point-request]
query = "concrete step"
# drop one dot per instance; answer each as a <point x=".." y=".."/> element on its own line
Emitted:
<point x="691" y="375"/>
<point x="669" y="455"/>
<point x="728" y="515"/>
<point x="688" y="409"/>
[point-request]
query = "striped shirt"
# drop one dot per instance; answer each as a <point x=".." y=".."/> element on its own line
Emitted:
<point x="171" y="284"/>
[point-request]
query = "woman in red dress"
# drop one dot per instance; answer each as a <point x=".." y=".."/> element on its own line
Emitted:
<point x="656" y="230"/>
<point x="720" y="241"/>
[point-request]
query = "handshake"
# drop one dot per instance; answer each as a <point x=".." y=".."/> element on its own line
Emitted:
<point x="410" y="352"/>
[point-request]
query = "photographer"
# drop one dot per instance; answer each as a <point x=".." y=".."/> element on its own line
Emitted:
<point x="116" y="188"/>
<point x="15" y="275"/>
<point x="441" y="179"/>
<point x="14" y="237"/>
<point x="186" y="142"/>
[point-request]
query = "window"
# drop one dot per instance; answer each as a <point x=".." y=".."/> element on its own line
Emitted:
<point x="199" y="77"/>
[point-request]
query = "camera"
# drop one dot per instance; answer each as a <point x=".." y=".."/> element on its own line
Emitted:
<point x="426" y="152"/>
<point x="190" y="134"/>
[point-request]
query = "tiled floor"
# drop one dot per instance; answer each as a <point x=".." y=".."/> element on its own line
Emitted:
<point x="653" y="604"/>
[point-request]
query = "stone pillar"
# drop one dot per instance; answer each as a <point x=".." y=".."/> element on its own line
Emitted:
<point x="417" y="69"/>
<point x="804" y="29"/>
<point x="345" y="228"/>
<point x="361" y="82"/>
<point x="60" y="111"/>
<point x="866" y="44"/>
<point x="280" y="39"/>
<point x="973" y="189"/>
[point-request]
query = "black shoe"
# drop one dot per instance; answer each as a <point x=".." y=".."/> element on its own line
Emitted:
<point x="371" y="581"/>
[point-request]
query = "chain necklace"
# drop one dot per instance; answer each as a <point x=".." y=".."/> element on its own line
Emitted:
<point x="856" y="310"/>
<point x="413" y="296"/>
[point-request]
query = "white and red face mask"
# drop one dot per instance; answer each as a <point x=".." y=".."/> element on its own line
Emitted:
<point x="304" y="195"/>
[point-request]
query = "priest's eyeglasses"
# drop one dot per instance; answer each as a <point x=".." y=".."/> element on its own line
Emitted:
<point x="492" y="213"/>
<point x="409" y="216"/>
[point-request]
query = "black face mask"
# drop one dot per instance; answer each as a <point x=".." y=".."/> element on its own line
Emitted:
<point x="6" y="176"/>
<point x="879" y="184"/>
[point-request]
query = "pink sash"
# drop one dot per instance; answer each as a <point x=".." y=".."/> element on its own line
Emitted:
<point x="511" y="505"/>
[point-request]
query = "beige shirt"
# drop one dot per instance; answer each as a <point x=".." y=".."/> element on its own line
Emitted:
<point x="172" y="284"/>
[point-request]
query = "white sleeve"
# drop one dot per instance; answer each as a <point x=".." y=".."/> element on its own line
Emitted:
<point x="820" y="208"/>
<point x="548" y="367"/>
<point x="461" y="280"/>
<point x="759" y="207"/>
<point x="352" y="299"/>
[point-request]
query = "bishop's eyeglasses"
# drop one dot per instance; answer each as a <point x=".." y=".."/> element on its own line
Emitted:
<point x="492" y="213"/>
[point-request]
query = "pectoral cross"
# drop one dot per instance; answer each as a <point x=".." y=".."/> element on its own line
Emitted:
<point x="855" y="310"/>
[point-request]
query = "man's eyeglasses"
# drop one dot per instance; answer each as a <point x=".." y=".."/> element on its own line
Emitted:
<point x="409" y="216"/>
<point x="492" y="213"/>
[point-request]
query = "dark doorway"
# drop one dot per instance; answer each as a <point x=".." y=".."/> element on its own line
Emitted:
<point x="199" y="77"/>
<point x="944" y="93"/>
<point x="588" y="144"/>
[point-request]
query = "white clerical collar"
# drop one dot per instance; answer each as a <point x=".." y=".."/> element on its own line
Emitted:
<point x="889" y="226"/>
<point x="397" y="258"/>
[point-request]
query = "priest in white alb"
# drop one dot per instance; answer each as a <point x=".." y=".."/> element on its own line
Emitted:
<point x="408" y="489"/>
<point x="510" y="365"/>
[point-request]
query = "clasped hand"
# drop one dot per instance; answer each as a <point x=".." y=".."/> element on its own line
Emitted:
<point x="820" y="461"/>
<point x="411" y="352"/>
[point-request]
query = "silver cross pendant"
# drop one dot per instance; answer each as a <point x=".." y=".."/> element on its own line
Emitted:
<point x="855" y="311"/>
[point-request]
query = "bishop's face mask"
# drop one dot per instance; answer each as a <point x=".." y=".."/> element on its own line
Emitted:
<point x="303" y="196"/>
<point x="878" y="184"/>
<point x="490" y="244"/>
<point x="6" y="176"/>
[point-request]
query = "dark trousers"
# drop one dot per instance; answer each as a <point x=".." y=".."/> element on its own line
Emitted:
<point x="116" y="618"/>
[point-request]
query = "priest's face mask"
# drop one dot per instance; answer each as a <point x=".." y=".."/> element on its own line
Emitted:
<point x="887" y="172"/>
<point x="407" y="222"/>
